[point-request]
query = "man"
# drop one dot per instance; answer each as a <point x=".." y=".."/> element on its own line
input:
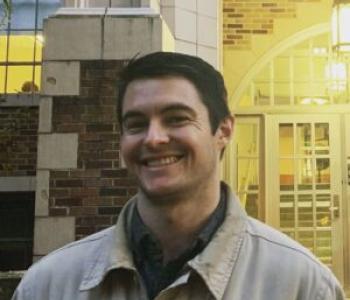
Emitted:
<point x="184" y="235"/>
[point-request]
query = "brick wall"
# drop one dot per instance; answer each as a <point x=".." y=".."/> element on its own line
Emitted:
<point x="96" y="191"/>
<point x="243" y="19"/>
<point x="18" y="141"/>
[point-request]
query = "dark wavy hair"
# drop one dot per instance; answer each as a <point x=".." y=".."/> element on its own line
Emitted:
<point x="208" y="81"/>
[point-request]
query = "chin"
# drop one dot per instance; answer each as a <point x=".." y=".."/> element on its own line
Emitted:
<point x="160" y="192"/>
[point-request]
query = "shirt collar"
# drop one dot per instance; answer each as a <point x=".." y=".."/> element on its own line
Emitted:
<point x="146" y="246"/>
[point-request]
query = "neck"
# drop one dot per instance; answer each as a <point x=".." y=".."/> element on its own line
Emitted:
<point x="178" y="219"/>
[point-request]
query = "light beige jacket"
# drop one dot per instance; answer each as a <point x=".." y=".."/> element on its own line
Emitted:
<point x="245" y="260"/>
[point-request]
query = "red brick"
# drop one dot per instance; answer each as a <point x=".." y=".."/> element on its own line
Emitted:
<point x="69" y="183"/>
<point x="109" y="210"/>
<point x="113" y="192"/>
<point x="83" y="211"/>
<point x="99" y="127"/>
<point x="114" y="173"/>
<point x="73" y="201"/>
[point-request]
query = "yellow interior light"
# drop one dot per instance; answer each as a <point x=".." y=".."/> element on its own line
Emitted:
<point x="40" y="38"/>
<point x="336" y="75"/>
<point x="313" y="100"/>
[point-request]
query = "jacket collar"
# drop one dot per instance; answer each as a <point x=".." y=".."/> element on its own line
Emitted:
<point x="214" y="264"/>
<point x="112" y="253"/>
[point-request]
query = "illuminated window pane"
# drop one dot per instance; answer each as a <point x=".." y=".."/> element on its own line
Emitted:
<point x="282" y="93"/>
<point x="320" y="64"/>
<point x="2" y="79"/>
<point x="323" y="176"/>
<point x="304" y="139"/>
<point x="262" y="93"/>
<point x="281" y="68"/>
<point x="38" y="47"/>
<point x="21" y="48"/>
<point x="302" y="69"/>
<point x="305" y="174"/>
<point x="287" y="211"/>
<point x="3" y="47"/>
<point x="247" y="139"/>
<point x="286" y="174"/>
<point x="305" y="210"/>
<point x="18" y="77"/>
<point x="286" y="139"/>
<point x="37" y="78"/>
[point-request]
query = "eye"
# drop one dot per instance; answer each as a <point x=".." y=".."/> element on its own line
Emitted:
<point x="177" y="120"/>
<point x="135" y="126"/>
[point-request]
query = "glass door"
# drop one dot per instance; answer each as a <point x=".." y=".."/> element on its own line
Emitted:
<point x="304" y="183"/>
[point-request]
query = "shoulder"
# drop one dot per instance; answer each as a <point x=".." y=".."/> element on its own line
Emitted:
<point x="284" y="259"/>
<point x="67" y="265"/>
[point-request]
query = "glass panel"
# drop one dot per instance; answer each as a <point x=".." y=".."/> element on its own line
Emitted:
<point x="39" y="47"/>
<point x="282" y="94"/>
<point x="286" y="139"/>
<point x="322" y="138"/>
<point x="2" y="79"/>
<point x="246" y="136"/>
<point x="252" y="205"/>
<point x="302" y="92"/>
<point x="303" y="139"/>
<point x="305" y="211"/>
<point x="262" y="93"/>
<point x="291" y="234"/>
<point x="286" y="174"/>
<point x="302" y="68"/>
<point x="321" y="42"/>
<point x="264" y="74"/>
<point x="21" y="48"/>
<point x="281" y="68"/>
<point x="18" y="77"/>
<point x="305" y="174"/>
<point x="247" y="98"/>
<point x="287" y="211"/>
<point x="23" y="14"/>
<point x="37" y="79"/>
<point x="320" y="64"/>
<point x="324" y="247"/>
<point x="323" y="214"/>
<point x="306" y="238"/>
<point x="323" y="174"/>
<point x="341" y="98"/>
<point x="247" y="176"/>
<point x="3" y="48"/>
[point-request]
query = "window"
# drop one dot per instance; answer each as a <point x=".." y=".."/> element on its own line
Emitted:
<point x="16" y="230"/>
<point x="306" y="74"/>
<point x="21" y="42"/>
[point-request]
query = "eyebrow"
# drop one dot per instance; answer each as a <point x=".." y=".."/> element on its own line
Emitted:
<point x="169" y="108"/>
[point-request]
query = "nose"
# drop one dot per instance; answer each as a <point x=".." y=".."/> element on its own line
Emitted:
<point x="156" y="135"/>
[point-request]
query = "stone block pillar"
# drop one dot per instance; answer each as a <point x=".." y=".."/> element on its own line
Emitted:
<point x="81" y="185"/>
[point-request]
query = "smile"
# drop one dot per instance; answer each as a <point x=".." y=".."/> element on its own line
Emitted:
<point x="163" y="161"/>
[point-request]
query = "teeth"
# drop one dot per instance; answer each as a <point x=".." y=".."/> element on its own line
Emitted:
<point x="162" y="161"/>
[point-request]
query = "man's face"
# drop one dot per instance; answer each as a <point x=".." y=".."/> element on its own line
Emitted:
<point x="167" y="141"/>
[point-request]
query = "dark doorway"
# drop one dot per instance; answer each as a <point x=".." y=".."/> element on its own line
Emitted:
<point x="16" y="230"/>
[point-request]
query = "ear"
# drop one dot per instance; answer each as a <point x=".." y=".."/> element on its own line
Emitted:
<point x="224" y="132"/>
